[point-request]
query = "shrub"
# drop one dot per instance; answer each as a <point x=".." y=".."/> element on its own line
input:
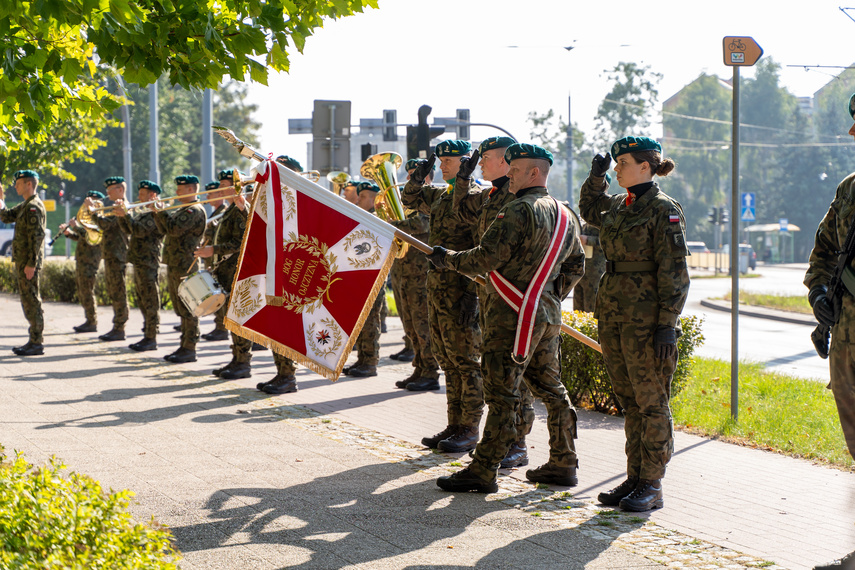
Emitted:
<point x="583" y="371"/>
<point x="52" y="520"/>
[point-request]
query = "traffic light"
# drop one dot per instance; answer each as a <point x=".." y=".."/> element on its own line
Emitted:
<point x="462" y="126"/>
<point x="368" y="150"/>
<point x="724" y="215"/>
<point x="419" y="137"/>
<point x="712" y="216"/>
<point x="390" y="125"/>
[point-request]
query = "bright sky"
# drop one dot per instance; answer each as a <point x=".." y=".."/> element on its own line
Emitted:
<point x="452" y="54"/>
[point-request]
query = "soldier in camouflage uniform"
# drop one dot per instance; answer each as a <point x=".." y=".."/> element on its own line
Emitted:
<point x="638" y="307"/>
<point x="183" y="229"/>
<point x="144" y="255"/>
<point x="515" y="246"/>
<point x="87" y="258"/>
<point x="114" y="250"/>
<point x="585" y="292"/>
<point x="408" y="278"/>
<point x="479" y="208"/>
<point x="452" y="302"/>
<point x="224" y="179"/>
<point x="28" y="252"/>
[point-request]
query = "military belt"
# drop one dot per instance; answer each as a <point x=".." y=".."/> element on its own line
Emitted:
<point x="630" y="266"/>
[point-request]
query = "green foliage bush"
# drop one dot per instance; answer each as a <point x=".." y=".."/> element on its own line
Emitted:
<point x="50" y="519"/>
<point x="583" y="371"/>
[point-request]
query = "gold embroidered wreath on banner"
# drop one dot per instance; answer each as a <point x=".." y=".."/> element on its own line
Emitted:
<point x="289" y="202"/>
<point x="245" y="304"/>
<point x="326" y="341"/>
<point x="362" y="235"/>
<point x="308" y="302"/>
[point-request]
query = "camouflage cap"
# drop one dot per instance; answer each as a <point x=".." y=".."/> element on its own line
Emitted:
<point x="149" y="185"/>
<point x="453" y="148"/>
<point x="26" y="174"/>
<point x="526" y="150"/>
<point x="414" y="162"/>
<point x="852" y="106"/>
<point x="495" y="142"/>
<point x="634" y="144"/>
<point x="187" y="179"/>
<point x="95" y="194"/>
<point x="224" y="174"/>
<point x="289" y="163"/>
<point x="367" y="186"/>
<point x="213" y="184"/>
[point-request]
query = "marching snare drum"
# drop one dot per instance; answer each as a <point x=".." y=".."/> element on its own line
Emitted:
<point x="201" y="294"/>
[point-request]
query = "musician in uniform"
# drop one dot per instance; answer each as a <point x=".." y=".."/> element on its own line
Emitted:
<point x="531" y="248"/>
<point x="452" y="301"/>
<point x="348" y="191"/>
<point x="585" y="292"/>
<point x="144" y="255"/>
<point x="28" y="252"/>
<point x="114" y="250"/>
<point x="644" y="289"/>
<point x="224" y="179"/>
<point x="479" y="207"/>
<point x="183" y="229"/>
<point x="87" y="258"/>
<point x="409" y="274"/>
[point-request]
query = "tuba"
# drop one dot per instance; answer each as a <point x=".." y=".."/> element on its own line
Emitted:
<point x="383" y="168"/>
<point x="87" y="222"/>
<point x="338" y="180"/>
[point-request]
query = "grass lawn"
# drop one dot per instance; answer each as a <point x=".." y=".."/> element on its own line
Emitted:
<point x="793" y="303"/>
<point x="776" y="412"/>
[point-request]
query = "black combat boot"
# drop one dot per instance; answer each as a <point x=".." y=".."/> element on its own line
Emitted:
<point x="432" y="442"/>
<point x="404" y="355"/>
<point x="362" y="371"/>
<point x="612" y="498"/>
<point x="464" y="440"/>
<point x="517" y="456"/>
<point x="256" y="346"/>
<point x="177" y="327"/>
<point x="646" y="497"/>
<point x="114" y="334"/>
<point x="29" y="349"/>
<point x="218" y="371"/>
<point x="845" y="563"/>
<point x="239" y="370"/>
<point x="281" y="385"/>
<point x="465" y="481"/>
<point x="423" y="384"/>
<point x="144" y="345"/>
<point x="216" y="334"/>
<point x="346" y="370"/>
<point x="553" y="475"/>
<point x="86" y="327"/>
<point x="409" y="379"/>
<point x="181" y="356"/>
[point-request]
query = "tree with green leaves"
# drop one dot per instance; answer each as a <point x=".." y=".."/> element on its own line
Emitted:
<point x="628" y="108"/>
<point x="550" y="132"/>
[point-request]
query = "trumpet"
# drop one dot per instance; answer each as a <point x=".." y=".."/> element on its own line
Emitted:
<point x="383" y="168"/>
<point x="338" y="180"/>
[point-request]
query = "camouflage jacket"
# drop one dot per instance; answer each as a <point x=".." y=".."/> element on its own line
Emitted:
<point x="210" y="229"/>
<point x="183" y="229"/>
<point x="85" y="252"/>
<point x="417" y="225"/>
<point x="830" y="237"/>
<point x="479" y="207"/>
<point x="114" y="243"/>
<point x="227" y="242"/>
<point x="651" y="229"/>
<point x="28" y="245"/>
<point x="515" y="244"/>
<point x="146" y="238"/>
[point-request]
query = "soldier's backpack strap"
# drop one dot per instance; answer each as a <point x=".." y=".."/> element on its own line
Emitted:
<point x="525" y="303"/>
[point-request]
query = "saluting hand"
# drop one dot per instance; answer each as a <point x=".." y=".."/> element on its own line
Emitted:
<point x="600" y="164"/>
<point x="423" y="169"/>
<point x="468" y="165"/>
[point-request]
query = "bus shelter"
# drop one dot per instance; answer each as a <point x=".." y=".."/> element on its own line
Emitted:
<point x="772" y="243"/>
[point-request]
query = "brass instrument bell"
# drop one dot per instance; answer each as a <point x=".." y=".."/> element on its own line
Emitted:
<point x="338" y="180"/>
<point x="383" y="168"/>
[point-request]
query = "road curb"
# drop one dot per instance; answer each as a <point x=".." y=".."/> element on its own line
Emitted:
<point x="760" y="313"/>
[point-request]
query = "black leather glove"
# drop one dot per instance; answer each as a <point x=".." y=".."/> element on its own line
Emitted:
<point x="437" y="258"/>
<point x="823" y="310"/>
<point x="468" y="309"/>
<point x="423" y="169"/>
<point x="665" y="342"/>
<point x="468" y="164"/>
<point x="600" y="164"/>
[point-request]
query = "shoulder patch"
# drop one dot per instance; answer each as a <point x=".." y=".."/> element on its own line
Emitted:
<point x="674" y="218"/>
<point x="500" y="215"/>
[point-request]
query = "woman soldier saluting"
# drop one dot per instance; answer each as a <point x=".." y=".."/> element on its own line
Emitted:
<point x="640" y="299"/>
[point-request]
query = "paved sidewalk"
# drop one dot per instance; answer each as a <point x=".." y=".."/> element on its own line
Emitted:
<point x="333" y="476"/>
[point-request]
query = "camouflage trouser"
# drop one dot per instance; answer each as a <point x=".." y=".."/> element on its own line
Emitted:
<point x="455" y="347"/>
<point x="31" y="301"/>
<point x="114" y="272"/>
<point x="395" y="277"/>
<point x="284" y="365"/>
<point x="86" y="273"/>
<point x="842" y="368"/>
<point x="148" y="296"/>
<point x="220" y="317"/>
<point x="384" y="307"/>
<point x="585" y="291"/>
<point x="411" y="300"/>
<point x="642" y="385"/>
<point x="368" y="341"/>
<point x="241" y="349"/>
<point x="502" y="381"/>
<point x="189" y="321"/>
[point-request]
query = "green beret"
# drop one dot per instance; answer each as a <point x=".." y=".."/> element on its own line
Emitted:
<point x="414" y="162"/>
<point x="213" y="184"/>
<point x="852" y="106"/>
<point x="113" y="180"/>
<point x="367" y="186"/>
<point x="634" y="144"/>
<point x="150" y="186"/>
<point x="526" y="150"/>
<point x="351" y="182"/>
<point x="95" y="194"/>
<point x="187" y="179"/>
<point x="495" y="142"/>
<point x="289" y="163"/>
<point x="227" y="173"/>
<point x="26" y="174"/>
<point x="453" y="148"/>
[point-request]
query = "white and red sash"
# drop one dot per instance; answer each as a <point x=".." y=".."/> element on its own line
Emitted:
<point x="525" y="304"/>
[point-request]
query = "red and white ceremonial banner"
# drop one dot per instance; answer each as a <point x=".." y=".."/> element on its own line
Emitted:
<point x="311" y="265"/>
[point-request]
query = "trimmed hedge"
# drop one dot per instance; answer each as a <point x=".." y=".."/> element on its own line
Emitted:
<point x="49" y="519"/>
<point x="59" y="283"/>
<point x="583" y="371"/>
